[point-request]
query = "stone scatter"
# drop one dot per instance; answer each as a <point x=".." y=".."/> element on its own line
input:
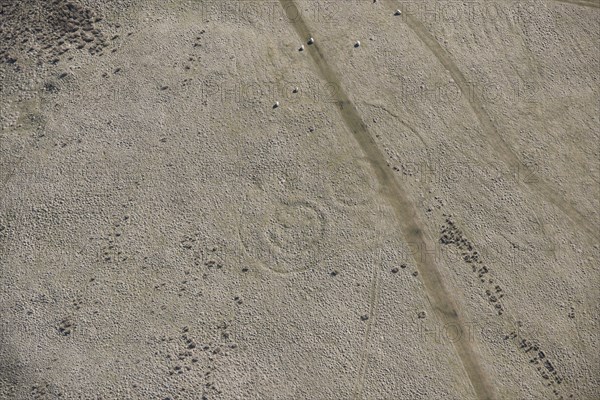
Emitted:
<point x="450" y="234"/>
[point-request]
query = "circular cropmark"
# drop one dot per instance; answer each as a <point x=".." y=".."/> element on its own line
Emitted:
<point x="284" y="236"/>
<point x="294" y="227"/>
<point x="350" y="181"/>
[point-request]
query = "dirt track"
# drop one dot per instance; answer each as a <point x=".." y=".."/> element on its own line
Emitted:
<point x="417" y="219"/>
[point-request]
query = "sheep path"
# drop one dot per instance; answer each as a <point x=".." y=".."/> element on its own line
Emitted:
<point x="412" y="229"/>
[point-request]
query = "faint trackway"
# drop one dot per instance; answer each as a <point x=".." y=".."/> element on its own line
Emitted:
<point x="584" y="3"/>
<point x="405" y="211"/>
<point x="11" y="173"/>
<point x="503" y="150"/>
<point x="404" y="123"/>
<point x="4" y="191"/>
<point x="373" y="311"/>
